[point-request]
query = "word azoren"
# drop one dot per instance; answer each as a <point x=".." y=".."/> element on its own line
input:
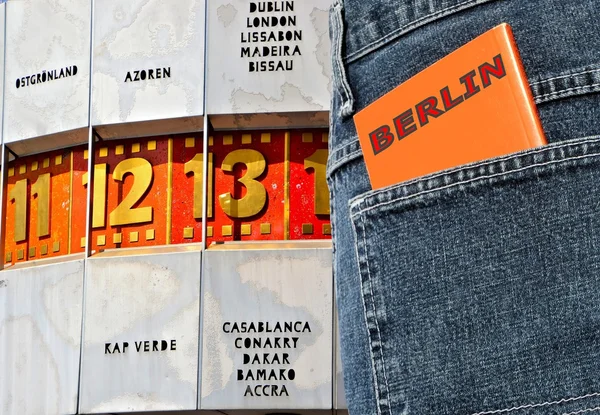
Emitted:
<point x="144" y="74"/>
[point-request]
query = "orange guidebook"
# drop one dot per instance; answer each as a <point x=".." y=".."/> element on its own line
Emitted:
<point x="473" y="104"/>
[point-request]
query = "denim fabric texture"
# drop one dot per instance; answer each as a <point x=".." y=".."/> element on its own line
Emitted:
<point x="476" y="290"/>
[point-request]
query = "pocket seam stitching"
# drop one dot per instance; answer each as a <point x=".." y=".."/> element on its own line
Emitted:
<point x="583" y="411"/>
<point x="570" y="143"/>
<point x="338" y="62"/>
<point x="543" y="404"/>
<point x="374" y="308"/>
<point x="541" y="98"/>
<point x="477" y="179"/>
<point x="409" y="27"/>
<point x="555" y="78"/>
<point x="343" y="160"/>
<point x="364" y="304"/>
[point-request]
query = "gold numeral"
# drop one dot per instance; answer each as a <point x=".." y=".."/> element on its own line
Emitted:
<point x="99" y="197"/>
<point x="41" y="188"/>
<point x="19" y="195"/>
<point x="256" y="195"/>
<point x="41" y="191"/>
<point x="195" y="166"/>
<point x="125" y="214"/>
<point x="318" y="162"/>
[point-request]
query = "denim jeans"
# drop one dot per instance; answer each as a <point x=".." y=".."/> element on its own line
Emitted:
<point x="474" y="290"/>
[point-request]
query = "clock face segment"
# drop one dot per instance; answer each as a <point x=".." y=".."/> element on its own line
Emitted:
<point x="261" y="185"/>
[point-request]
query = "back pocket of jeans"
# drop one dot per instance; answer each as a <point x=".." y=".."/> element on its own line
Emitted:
<point x="480" y="284"/>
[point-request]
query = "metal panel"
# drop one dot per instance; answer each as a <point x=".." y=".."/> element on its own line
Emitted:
<point x="249" y="412"/>
<point x="268" y="57"/>
<point x="140" y="349"/>
<point x="2" y="26"/>
<point x="40" y="333"/>
<point x="148" y="65"/>
<point x="296" y="120"/>
<point x="267" y="329"/>
<point x="47" y="73"/>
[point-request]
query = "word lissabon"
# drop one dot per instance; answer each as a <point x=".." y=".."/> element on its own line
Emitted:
<point x="473" y="104"/>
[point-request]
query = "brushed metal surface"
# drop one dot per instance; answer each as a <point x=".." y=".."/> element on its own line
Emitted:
<point x="272" y="245"/>
<point x="148" y="39"/>
<point x="43" y="36"/>
<point x="319" y="119"/>
<point x="2" y="27"/>
<point x="135" y="299"/>
<point x="40" y="333"/>
<point x="232" y="88"/>
<point x="266" y="412"/>
<point x="246" y="412"/>
<point x="183" y="125"/>
<point x="267" y="287"/>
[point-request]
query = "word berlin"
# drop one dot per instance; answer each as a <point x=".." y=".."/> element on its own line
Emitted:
<point x="405" y="123"/>
<point x="46" y="76"/>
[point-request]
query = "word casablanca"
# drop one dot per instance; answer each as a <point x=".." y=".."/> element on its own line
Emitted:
<point x="271" y="40"/>
<point x="45" y="76"/>
<point x="432" y="107"/>
<point x="142" y="346"/>
<point x="158" y="73"/>
<point x="265" y="365"/>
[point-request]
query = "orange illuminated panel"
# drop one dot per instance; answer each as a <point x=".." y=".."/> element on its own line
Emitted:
<point x="187" y="192"/>
<point x="262" y="185"/>
<point x="41" y="218"/>
<point x="131" y="187"/>
<point x="309" y="194"/>
<point x="249" y="186"/>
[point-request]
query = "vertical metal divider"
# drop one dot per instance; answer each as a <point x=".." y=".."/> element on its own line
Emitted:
<point x="3" y="200"/>
<point x="3" y="160"/>
<point x="88" y="210"/>
<point x="205" y="201"/>
<point x="286" y="185"/>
